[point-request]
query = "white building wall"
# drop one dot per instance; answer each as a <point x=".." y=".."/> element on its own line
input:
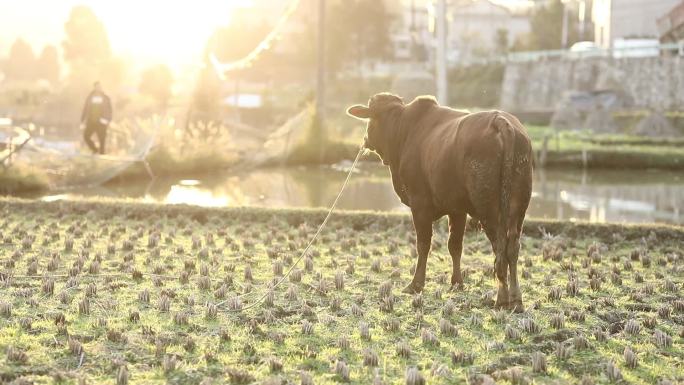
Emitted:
<point x="619" y="19"/>
<point x="473" y="28"/>
<point x="637" y="18"/>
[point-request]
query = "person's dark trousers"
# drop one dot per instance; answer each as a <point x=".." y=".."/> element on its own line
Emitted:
<point x="101" y="131"/>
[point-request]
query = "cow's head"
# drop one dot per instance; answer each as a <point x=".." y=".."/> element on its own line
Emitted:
<point x="382" y="115"/>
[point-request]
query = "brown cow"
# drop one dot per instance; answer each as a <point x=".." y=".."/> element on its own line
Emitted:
<point x="449" y="162"/>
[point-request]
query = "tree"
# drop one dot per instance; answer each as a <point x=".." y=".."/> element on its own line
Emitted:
<point x="227" y="44"/>
<point x="21" y="63"/>
<point x="547" y="26"/>
<point x="156" y="82"/>
<point x="88" y="53"/>
<point x="359" y="30"/>
<point x="48" y="65"/>
<point x="86" y="37"/>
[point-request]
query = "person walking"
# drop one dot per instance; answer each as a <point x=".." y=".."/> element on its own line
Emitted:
<point x="95" y="118"/>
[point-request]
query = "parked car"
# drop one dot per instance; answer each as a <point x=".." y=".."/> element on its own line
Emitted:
<point x="585" y="49"/>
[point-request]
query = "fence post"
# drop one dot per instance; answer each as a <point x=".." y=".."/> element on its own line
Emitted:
<point x="440" y="54"/>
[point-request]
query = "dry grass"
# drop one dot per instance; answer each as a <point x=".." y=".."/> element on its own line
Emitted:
<point x="126" y="293"/>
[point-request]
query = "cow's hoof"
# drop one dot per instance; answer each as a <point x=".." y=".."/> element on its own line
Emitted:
<point x="412" y="289"/>
<point x="456" y="279"/>
<point x="502" y="299"/>
<point x="499" y="304"/>
<point x="515" y="302"/>
<point x="516" y="306"/>
<point x="456" y="287"/>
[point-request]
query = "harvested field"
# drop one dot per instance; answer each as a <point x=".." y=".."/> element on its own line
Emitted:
<point x="117" y="292"/>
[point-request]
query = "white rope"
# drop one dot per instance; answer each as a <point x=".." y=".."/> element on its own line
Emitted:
<point x="308" y="246"/>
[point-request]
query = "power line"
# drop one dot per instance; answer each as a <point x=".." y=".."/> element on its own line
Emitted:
<point x="223" y="68"/>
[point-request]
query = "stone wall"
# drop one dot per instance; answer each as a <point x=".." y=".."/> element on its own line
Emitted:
<point x="656" y="83"/>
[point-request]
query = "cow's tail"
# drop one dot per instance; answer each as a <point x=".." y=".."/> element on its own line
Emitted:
<point x="507" y="133"/>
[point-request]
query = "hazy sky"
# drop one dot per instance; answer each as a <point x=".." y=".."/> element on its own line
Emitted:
<point x="171" y="31"/>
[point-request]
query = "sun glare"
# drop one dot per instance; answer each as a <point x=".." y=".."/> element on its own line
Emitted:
<point x="145" y="32"/>
<point x="170" y="32"/>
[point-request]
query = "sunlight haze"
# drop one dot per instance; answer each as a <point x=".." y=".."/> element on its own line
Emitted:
<point x="152" y="31"/>
<point x="344" y="192"/>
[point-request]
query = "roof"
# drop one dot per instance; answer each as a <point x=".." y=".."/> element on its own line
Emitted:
<point x="514" y="7"/>
<point x="672" y="21"/>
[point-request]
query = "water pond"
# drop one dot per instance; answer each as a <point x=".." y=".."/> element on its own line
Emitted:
<point x="594" y="196"/>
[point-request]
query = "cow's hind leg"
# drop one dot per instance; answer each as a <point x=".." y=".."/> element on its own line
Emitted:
<point x="512" y="251"/>
<point x="514" y="295"/>
<point x="501" y="272"/>
<point x="500" y="266"/>
<point x="456" y="230"/>
<point x="422" y="221"/>
<point x="485" y="198"/>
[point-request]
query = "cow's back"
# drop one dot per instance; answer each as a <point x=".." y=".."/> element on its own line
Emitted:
<point x="461" y="159"/>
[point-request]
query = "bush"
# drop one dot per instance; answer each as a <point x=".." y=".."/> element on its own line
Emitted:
<point x="476" y="85"/>
<point x="318" y="148"/>
<point x="19" y="180"/>
<point x="201" y="147"/>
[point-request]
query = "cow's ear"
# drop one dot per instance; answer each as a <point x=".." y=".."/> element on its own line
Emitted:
<point x="359" y="111"/>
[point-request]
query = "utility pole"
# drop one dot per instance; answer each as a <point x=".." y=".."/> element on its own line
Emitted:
<point x="564" y="31"/>
<point x="440" y="57"/>
<point x="582" y="16"/>
<point x="413" y="16"/>
<point x="320" y="79"/>
<point x="412" y="28"/>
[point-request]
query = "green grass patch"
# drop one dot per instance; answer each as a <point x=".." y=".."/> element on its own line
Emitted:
<point x="583" y="149"/>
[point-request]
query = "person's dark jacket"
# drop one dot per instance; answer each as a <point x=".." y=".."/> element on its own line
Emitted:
<point x="97" y="109"/>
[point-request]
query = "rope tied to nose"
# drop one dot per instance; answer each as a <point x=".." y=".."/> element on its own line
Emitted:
<point x="263" y="296"/>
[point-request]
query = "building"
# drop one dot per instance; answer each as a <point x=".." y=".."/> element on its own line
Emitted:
<point x="475" y="28"/>
<point x="483" y="28"/>
<point x="411" y="36"/>
<point x="671" y="25"/>
<point x="625" y="19"/>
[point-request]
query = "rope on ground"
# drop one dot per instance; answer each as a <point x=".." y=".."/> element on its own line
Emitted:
<point x="308" y="246"/>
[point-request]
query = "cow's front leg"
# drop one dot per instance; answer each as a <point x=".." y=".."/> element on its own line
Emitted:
<point x="456" y="230"/>
<point x="422" y="222"/>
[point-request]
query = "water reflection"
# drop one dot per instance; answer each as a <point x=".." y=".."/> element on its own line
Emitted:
<point x="595" y="196"/>
<point x="609" y="196"/>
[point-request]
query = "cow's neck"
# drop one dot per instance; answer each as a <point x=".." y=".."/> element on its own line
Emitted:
<point x="396" y="139"/>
